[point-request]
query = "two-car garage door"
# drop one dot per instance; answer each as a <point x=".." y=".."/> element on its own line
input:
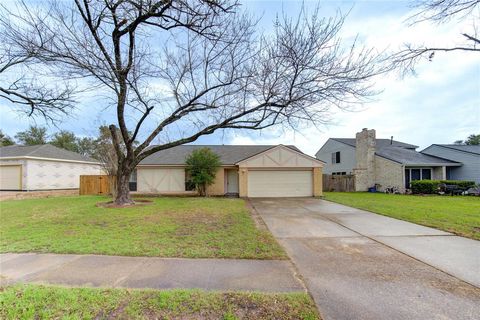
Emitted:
<point x="280" y="183"/>
<point x="10" y="177"/>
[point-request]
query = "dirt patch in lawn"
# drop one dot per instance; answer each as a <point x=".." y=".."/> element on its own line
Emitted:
<point x="191" y="222"/>
<point x="229" y="305"/>
<point x="137" y="203"/>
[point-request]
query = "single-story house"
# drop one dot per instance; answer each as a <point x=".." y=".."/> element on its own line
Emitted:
<point x="43" y="167"/>
<point x="247" y="171"/>
<point x="467" y="155"/>
<point x="382" y="162"/>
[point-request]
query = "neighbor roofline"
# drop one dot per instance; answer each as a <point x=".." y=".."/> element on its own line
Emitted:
<point x="410" y="145"/>
<point x="336" y="139"/>
<point x="49" y="159"/>
<point x="448" y="147"/>
<point x="452" y="164"/>
<point x="316" y="153"/>
<point x="396" y="161"/>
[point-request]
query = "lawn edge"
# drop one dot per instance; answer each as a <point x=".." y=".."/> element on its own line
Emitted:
<point x="386" y="215"/>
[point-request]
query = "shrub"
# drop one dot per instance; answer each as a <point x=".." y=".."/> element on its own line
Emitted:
<point x="424" y="186"/>
<point x="431" y="186"/>
<point x="202" y="165"/>
<point x="461" y="183"/>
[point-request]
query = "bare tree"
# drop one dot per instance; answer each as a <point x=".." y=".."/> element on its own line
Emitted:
<point x="440" y="11"/>
<point x="19" y="70"/>
<point x="183" y="69"/>
<point x="443" y="10"/>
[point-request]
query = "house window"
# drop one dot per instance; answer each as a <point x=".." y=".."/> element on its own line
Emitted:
<point x="426" y="174"/>
<point x="415" y="174"/>
<point x="336" y="157"/>
<point x="339" y="173"/>
<point x="412" y="174"/>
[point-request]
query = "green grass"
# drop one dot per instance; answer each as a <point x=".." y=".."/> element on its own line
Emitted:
<point x="459" y="214"/>
<point x="170" y="227"/>
<point x="47" y="302"/>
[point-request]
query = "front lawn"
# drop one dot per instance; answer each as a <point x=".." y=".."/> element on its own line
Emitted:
<point x="170" y="227"/>
<point x="45" y="302"/>
<point x="458" y="214"/>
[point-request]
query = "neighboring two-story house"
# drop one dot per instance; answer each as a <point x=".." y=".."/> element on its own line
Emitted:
<point x="382" y="162"/>
<point x="468" y="156"/>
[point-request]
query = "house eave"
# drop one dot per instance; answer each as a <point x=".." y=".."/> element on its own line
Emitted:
<point x="176" y="165"/>
<point x="48" y="159"/>
<point x="433" y="164"/>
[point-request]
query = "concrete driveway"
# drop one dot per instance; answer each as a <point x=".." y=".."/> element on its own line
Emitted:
<point x="360" y="265"/>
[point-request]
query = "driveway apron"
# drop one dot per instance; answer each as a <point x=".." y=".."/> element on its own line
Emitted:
<point x="360" y="265"/>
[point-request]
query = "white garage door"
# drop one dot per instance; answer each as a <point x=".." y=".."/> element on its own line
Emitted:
<point x="160" y="180"/>
<point x="280" y="183"/>
<point x="10" y="178"/>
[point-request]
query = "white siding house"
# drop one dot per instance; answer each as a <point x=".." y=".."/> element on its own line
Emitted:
<point x="43" y="167"/>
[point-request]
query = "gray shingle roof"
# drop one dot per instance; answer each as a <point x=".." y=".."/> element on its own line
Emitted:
<point x="380" y="143"/>
<point x="471" y="149"/>
<point x="229" y="154"/>
<point x="408" y="156"/>
<point x="42" y="151"/>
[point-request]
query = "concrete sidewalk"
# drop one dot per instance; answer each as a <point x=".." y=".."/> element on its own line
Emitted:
<point x="148" y="272"/>
<point x="360" y="265"/>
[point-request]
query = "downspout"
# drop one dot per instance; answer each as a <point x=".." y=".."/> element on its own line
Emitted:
<point x="403" y="179"/>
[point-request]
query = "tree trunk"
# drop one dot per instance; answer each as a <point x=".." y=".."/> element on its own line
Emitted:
<point x="122" y="197"/>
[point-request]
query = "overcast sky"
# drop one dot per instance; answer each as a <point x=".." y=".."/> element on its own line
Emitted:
<point x="439" y="105"/>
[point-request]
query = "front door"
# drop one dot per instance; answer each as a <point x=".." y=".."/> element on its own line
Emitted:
<point x="232" y="181"/>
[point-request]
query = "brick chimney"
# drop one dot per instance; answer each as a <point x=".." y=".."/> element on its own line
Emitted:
<point x="365" y="159"/>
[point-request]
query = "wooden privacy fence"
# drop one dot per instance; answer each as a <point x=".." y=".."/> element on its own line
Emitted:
<point x="95" y="184"/>
<point x="345" y="183"/>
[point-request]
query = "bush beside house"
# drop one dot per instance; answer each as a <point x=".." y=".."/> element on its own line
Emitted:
<point x="432" y="186"/>
<point x="202" y="165"/>
<point x="424" y="186"/>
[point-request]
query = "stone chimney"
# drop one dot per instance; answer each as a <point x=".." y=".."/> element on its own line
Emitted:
<point x="365" y="160"/>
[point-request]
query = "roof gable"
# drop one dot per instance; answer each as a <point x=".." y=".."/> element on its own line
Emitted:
<point x="280" y="157"/>
<point x="328" y="143"/>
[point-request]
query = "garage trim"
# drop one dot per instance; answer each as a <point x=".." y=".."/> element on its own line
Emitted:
<point x="281" y="158"/>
